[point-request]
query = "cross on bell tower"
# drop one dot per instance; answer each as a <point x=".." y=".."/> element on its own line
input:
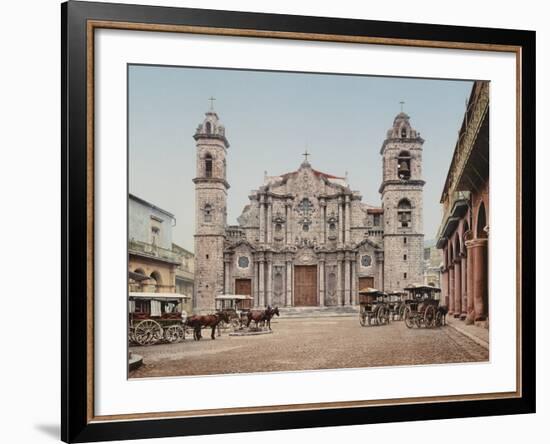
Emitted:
<point x="212" y="103"/>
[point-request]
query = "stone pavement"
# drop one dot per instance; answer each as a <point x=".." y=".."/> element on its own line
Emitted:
<point x="311" y="344"/>
<point x="478" y="334"/>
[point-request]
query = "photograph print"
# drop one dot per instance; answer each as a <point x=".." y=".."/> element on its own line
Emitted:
<point x="291" y="221"/>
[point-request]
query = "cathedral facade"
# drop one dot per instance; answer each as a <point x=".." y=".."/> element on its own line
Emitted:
<point x="306" y="238"/>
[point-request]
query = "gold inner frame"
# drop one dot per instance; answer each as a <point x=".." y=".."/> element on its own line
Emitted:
<point x="92" y="25"/>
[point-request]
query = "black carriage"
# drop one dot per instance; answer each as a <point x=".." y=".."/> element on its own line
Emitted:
<point x="422" y="307"/>
<point x="156" y="317"/>
<point x="397" y="305"/>
<point x="374" y="308"/>
<point x="237" y="307"/>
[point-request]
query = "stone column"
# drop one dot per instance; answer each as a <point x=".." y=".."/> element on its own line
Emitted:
<point x="287" y="225"/>
<point x="262" y="220"/>
<point x="478" y="249"/>
<point x="322" y="280"/>
<point x="445" y="287"/>
<point x="458" y="288"/>
<point x="340" y="223"/>
<point x="451" y="289"/>
<point x="347" y="238"/>
<point x="323" y="205"/>
<point x="256" y="284"/>
<point x="380" y="260"/>
<point x="288" y="282"/>
<point x="269" y="280"/>
<point x="339" y="289"/>
<point x="261" y="265"/>
<point x="353" y="282"/>
<point x="289" y="222"/>
<point x="269" y="220"/>
<point x="347" y="270"/>
<point x="227" y="275"/>
<point x="464" y="274"/>
<point x="470" y="314"/>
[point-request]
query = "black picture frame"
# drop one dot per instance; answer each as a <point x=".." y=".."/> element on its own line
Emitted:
<point x="76" y="423"/>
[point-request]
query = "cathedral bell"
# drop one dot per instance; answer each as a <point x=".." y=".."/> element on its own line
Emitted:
<point x="404" y="167"/>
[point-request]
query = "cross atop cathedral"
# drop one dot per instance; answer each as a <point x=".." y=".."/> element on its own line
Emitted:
<point x="402" y="103"/>
<point x="305" y="154"/>
<point x="212" y="103"/>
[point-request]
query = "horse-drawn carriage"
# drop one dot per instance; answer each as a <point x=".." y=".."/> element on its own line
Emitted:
<point x="374" y="307"/>
<point x="155" y="317"/>
<point x="422" y="307"/>
<point x="397" y="305"/>
<point x="237" y="307"/>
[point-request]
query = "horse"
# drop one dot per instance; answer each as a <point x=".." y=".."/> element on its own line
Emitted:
<point x="210" y="320"/>
<point x="270" y="312"/>
<point x="262" y="316"/>
<point x="442" y="312"/>
<point x="257" y="316"/>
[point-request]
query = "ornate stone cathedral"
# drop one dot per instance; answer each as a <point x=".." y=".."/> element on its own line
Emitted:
<point x="306" y="238"/>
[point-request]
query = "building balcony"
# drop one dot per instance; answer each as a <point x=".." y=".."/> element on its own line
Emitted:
<point x="234" y="232"/>
<point x="456" y="208"/>
<point x="151" y="251"/>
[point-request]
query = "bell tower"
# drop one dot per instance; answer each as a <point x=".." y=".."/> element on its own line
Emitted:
<point x="210" y="209"/>
<point x="402" y="200"/>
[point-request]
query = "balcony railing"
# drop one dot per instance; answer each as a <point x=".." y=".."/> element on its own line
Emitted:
<point x="455" y="208"/>
<point x="153" y="251"/>
<point x="235" y="232"/>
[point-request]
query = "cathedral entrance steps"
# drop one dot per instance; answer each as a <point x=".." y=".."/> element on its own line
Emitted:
<point x="318" y="312"/>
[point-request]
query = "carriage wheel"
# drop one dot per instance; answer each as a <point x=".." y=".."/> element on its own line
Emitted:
<point x="222" y="325"/>
<point x="235" y="324"/>
<point x="408" y="318"/>
<point x="402" y="309"/>
<point x="174" y="333"/>
<point x="429" y="316"/>
<point x="381" y="315"/>
<point x="131" y="337"/>
<point x="147" y="332"/>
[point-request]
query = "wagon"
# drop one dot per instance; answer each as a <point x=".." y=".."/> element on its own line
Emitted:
<point x="397" y="304"/>
<point x="422" y="308"/>
<point x="374" y="309"/>
<point x="155" y="317"/>
<point x="236" y="306"/>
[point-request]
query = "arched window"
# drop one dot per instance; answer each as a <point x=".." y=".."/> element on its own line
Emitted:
<point x="404" y="165"/>
<point x="208" y="128"/>
<point x="404" y="210"/>
<point x="157" y="280"/>
<point x="208" y="165"/>
<point x="208" y="213"/>
<point x="403" y="132"/>
<point x="481" y="222"/>
<point x="404" y="204"/>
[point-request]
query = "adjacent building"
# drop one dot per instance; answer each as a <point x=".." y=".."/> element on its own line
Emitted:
<point x="306" y="238"/>
<point x="463" y="235"/>
<point x="185" y="274"/>
<point x="153" y="263"/>
<point x="432" y="265"/>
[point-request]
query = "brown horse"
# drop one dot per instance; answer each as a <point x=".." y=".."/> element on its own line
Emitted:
<point x="270" y="312"/>
<point x="211" y="320"/>
<point x="259" y="316"/>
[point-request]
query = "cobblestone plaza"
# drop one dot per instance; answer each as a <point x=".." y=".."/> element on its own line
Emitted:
<point x="311" y="344"/>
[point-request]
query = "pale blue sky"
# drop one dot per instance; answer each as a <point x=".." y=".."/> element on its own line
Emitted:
<point x="270" y="117"/>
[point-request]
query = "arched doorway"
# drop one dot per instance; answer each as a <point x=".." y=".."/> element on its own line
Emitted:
<point x="481" y="222"/>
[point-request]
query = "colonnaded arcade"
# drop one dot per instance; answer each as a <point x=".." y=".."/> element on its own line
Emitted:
<point x="306" y="238"/>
